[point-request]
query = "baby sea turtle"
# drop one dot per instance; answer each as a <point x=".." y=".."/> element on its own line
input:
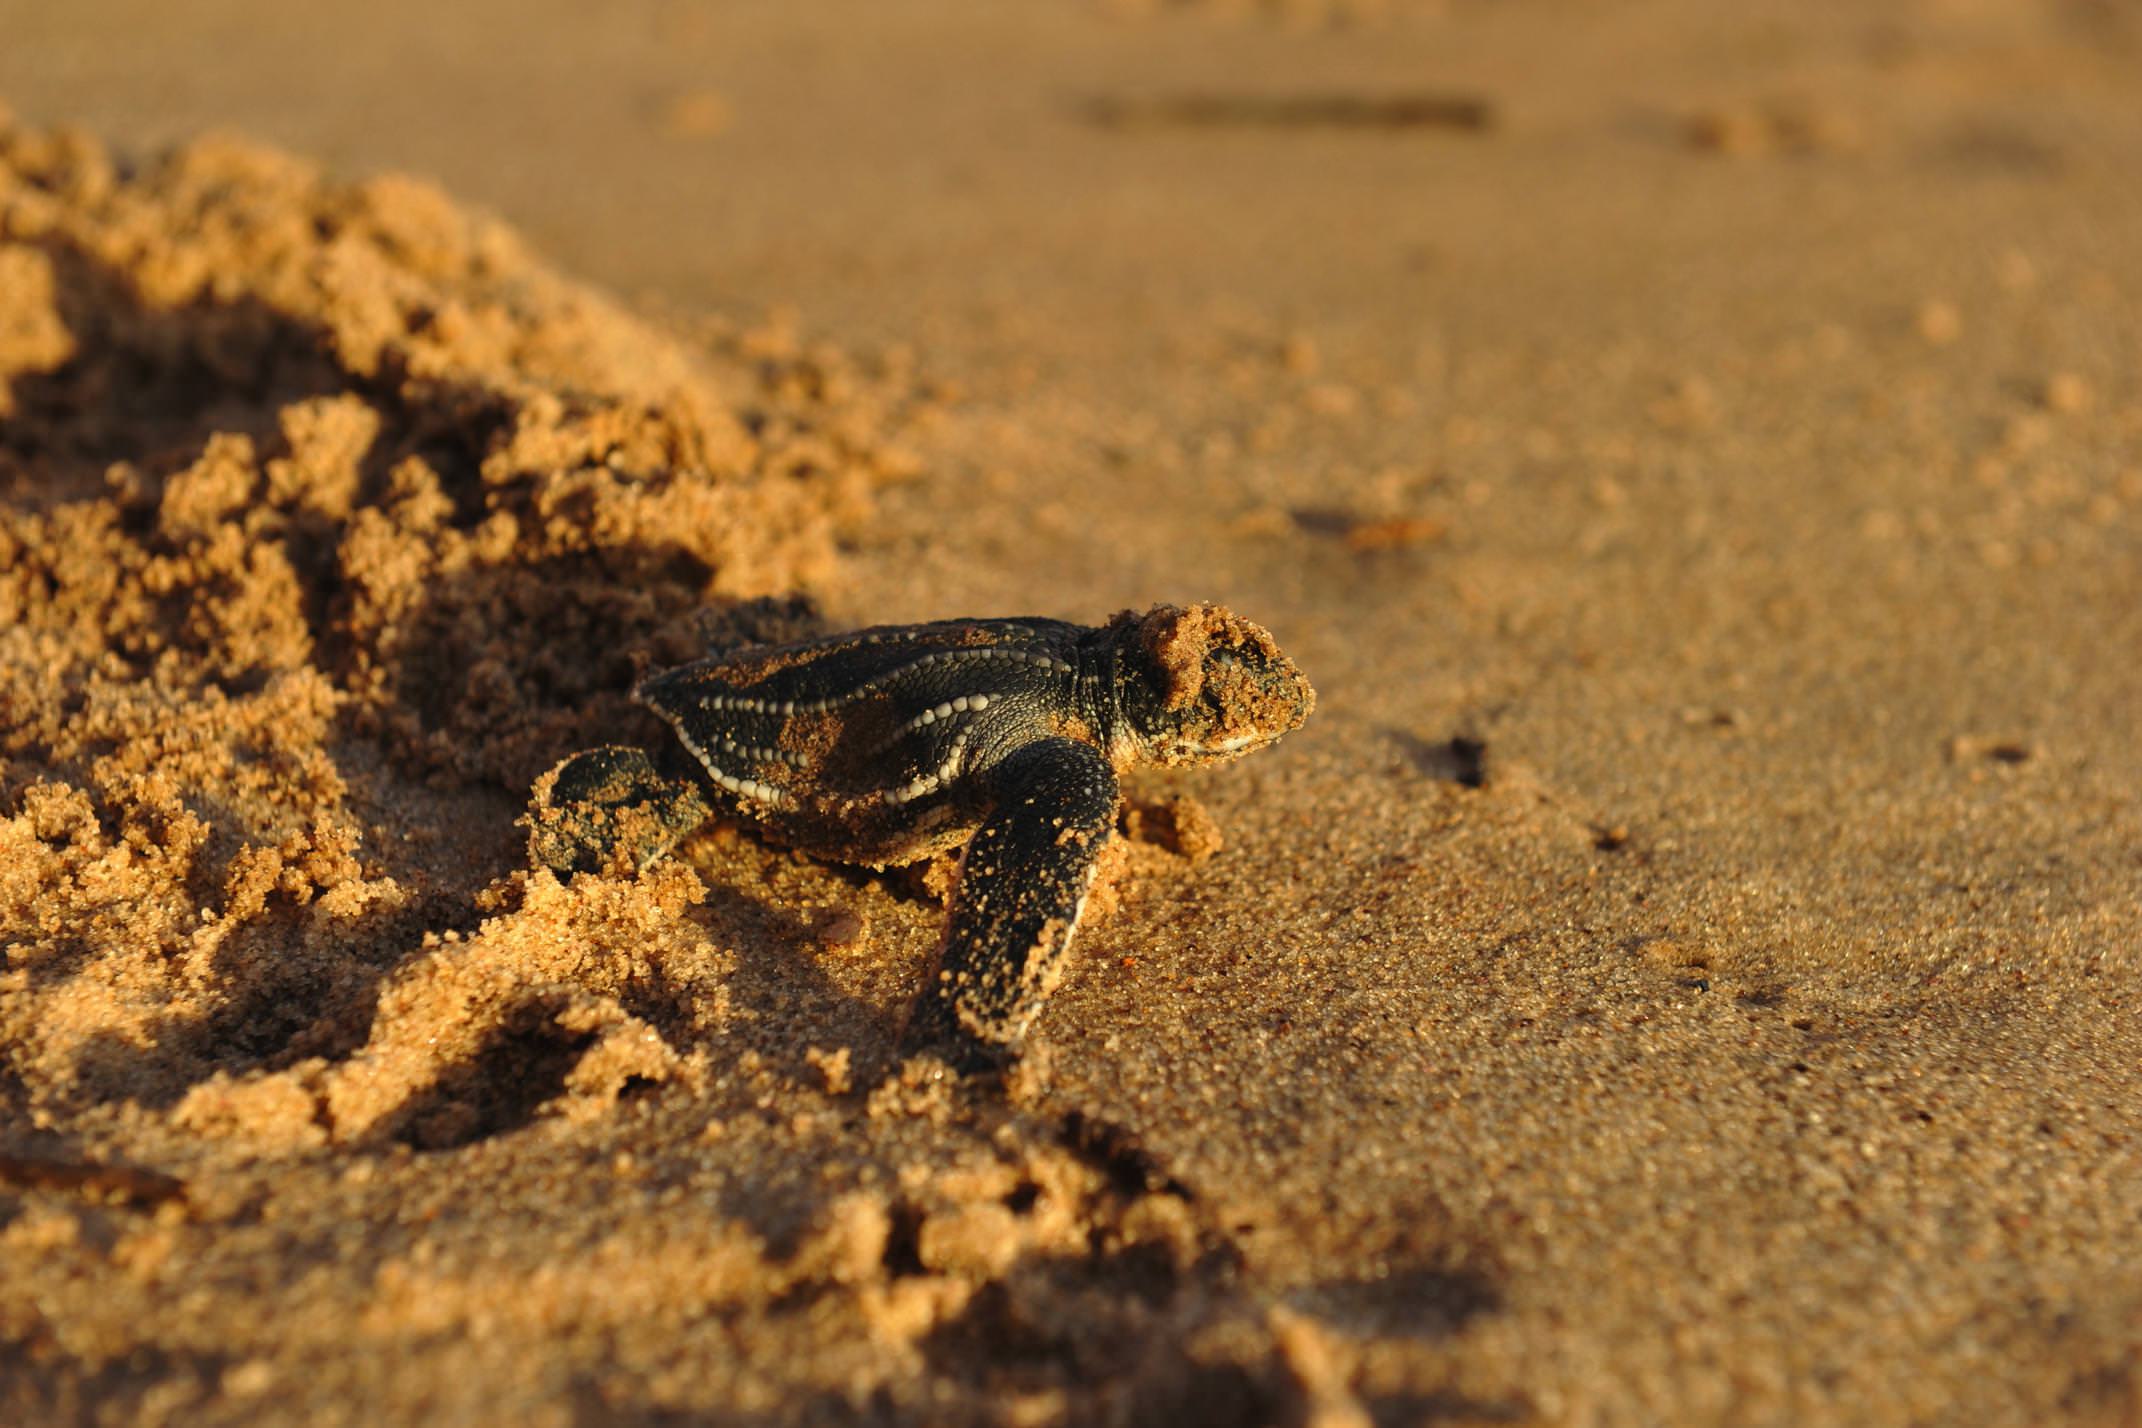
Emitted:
<point x="893" y="744"/>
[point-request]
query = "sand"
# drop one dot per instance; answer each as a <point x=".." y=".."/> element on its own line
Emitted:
<point x="1685" y="970"/>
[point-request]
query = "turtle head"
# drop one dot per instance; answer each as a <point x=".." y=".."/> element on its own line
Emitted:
<point x="1203" y="684"/>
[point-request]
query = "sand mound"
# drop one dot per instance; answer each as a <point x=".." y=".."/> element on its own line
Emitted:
<point x="323" y="501"/>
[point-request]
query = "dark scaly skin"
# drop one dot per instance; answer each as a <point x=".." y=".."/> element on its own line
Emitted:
<point x="1023" y="883"/>
<point x="893" y="744"/>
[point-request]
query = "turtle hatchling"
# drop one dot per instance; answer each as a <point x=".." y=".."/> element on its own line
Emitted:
<point x="894" y="744"/>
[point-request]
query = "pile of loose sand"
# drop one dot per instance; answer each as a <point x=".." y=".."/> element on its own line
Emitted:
<point x="332" y="516"/>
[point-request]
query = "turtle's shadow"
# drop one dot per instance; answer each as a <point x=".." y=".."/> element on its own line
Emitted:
<point x="774" y="919"/>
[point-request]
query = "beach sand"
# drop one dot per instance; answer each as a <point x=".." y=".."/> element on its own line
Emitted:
<point x="1685" y="971"/>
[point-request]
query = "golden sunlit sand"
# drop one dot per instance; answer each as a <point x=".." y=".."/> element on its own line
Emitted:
<point x="1685" y="970"/>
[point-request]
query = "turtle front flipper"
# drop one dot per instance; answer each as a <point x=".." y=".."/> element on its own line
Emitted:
<point x="609" y="810"/>
<point x="1023" y="881"/>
